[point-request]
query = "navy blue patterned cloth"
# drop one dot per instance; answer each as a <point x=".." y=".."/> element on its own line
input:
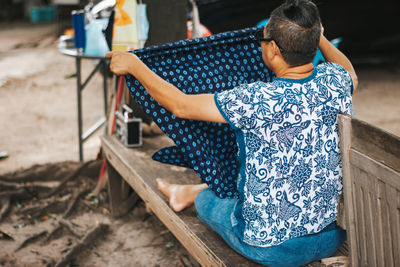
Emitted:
<point x="195" y="66"/>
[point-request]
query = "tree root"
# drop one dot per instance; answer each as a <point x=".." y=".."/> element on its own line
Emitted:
<point x="51" y="235"/>
<point x="96" y="209"/>
<point x="5" y="208"/>
<point x="67" y="224"/>
<point x="22" y="191"/>
<point x="29" y="187"/>
<point x="48" y="261"/>
<point x="20" y="194"/>
<point x="53" y="206"/>
<point x="39" y="173"/>
<point x="31" y="239"/>
<point x="83" y="242"/>
<point x="40" y="209"/>
<point x="70" y="177"/>
<point x="44" y="198"/>
<point x="72" y="205"/>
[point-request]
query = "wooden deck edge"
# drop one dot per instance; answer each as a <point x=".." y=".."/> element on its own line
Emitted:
<point x="170" y="219"/>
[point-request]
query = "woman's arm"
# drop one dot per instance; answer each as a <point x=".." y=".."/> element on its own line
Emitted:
<point x="332" y="54"/>
<point x="194" y="107"/>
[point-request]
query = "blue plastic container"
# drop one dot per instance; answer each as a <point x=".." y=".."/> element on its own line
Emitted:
<point x="42" y="14"/>
<point x="48" y="13"/>
<point x="78" y="21"/>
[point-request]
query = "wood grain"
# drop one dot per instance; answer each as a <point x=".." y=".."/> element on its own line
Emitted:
<point x="140" y="171"/>
<point x="371" y="178"/>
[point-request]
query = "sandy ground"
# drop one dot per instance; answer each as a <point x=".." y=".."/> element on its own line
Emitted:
<point x="38" y="125"/>
<point x="377" y="100"/>
<point x="37" y="104"/>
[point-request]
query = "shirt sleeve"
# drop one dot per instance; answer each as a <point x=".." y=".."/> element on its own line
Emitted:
<point x="345" y="88"/>
<point x="236" y="106"/>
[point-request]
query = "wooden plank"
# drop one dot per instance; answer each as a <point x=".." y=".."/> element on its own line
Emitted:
<point x="359" y="192"/>
<point x="375" y="220"/>
<point x="392" y="231"/>
<point x="140" y="171"/>
<point x="397" y="238"/>
<point x="341" y="214"/>
<point x="380" y="145"/>
<point x="377" y="241"/>
<point x="380" y="217"/>
<point x="394" y="212"/>
<point x="377" y="169"/>
<point x="369" y="217"/>
<point x="397" y="255"/>
<point x="343" y="250"/>
<point x="371" y="242"/>
<point x="353" y="230"/>
<point x="345" y="142"/>
<point x="121" y="200"/>
<point x="374" y="198"/>
<point x="385" y="226"/>
<point x="356" y="229"/>
<point x="387" y="198"/>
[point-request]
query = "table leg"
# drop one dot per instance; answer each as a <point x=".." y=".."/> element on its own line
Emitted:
<point x="79" y="92"/>
<point x="105" y="73"/>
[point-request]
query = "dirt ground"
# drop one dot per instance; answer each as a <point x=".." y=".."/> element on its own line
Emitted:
<point x="38" y="125"/>
<point x="136" y="239"/>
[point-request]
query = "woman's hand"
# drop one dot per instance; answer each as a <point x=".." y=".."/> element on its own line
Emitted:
<point x="122" y="63"/>
<point x="322" y="30"/>
<point x="322" y="37"/>
<point x="194" y="107"/>
<point x="332" y="54"/>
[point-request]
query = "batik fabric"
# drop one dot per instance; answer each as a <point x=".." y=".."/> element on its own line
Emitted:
<point x="196" y="66"/>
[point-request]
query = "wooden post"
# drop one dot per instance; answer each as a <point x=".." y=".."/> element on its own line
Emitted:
<point x="347" y="221"/>
<point x="122" y="197"/>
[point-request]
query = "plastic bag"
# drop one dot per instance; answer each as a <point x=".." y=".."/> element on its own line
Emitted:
<point x="142" y="24"/>
<point x="96" y="44"/>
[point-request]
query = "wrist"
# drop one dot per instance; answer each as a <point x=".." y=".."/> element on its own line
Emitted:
<point x="132" y="64"/>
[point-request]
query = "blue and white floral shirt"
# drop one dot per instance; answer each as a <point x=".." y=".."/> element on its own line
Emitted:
<point x="290" y="170"/>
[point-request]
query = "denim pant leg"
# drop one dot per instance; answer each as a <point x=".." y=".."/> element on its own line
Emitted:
<point x="305" y="249"/>
<point x="217" y="212"/>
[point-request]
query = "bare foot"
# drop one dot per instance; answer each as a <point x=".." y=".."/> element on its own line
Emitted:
<point x="179" y="196"/>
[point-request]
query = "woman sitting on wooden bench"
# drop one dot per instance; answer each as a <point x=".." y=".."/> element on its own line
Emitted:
<point x="287" y="132"/>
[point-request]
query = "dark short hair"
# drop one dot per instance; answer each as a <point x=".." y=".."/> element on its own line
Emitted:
<point x="296" y="28"/>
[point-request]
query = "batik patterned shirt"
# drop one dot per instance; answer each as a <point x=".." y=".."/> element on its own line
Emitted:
<point x="290" y="170"/>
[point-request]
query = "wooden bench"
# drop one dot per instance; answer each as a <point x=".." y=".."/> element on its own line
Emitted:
<point x="135" y="168"/>
<point x="371" y="206"/>
<point x="371" y="181"/>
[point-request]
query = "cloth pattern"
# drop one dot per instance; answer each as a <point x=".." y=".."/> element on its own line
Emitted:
<point x="204" y="65"/>
<point x="298" y="251"/>
<point x="289" y="153"/>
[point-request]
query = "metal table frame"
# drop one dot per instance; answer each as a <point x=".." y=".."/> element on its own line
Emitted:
<point x="102" y="64"/>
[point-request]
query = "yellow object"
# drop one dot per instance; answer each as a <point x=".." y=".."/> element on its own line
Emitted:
<point x="69" y="32"/>
<point x="125" y="36"/>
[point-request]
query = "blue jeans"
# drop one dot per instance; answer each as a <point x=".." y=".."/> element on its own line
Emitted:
<point x="216" y="212"/>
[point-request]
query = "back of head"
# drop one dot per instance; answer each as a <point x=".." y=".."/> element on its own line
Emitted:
<point x="296" y="27"/>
